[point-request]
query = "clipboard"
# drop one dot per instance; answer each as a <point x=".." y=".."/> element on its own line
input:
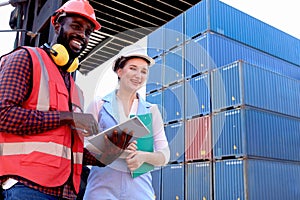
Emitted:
<point x="133" y="124"/>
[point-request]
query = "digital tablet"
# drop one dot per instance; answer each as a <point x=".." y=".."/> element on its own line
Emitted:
<point x="133" y="124"/>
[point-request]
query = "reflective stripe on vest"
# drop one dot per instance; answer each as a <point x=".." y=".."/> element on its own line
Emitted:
<point x="51" y="148"/>
<point x="43" y="103"/>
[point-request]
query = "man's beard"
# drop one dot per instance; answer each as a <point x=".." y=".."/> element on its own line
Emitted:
<point x="64" y="40"/>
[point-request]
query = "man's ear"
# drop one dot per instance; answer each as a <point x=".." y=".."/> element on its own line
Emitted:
<point x="57" y="27"/>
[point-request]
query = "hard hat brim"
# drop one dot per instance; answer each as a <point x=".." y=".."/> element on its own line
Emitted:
<point x="97" y="25"/>
<point x="145" y="57"/>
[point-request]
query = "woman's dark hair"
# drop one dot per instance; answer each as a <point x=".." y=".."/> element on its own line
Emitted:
<point x="119" y="63"/>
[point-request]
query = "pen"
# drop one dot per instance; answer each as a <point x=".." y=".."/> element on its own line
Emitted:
<point x="79" y="129"/>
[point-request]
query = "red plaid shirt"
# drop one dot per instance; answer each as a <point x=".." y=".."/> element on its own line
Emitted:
<point x="15" y="87"/>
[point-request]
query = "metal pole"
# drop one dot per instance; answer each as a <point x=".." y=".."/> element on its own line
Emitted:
<point x="4" y="3"/>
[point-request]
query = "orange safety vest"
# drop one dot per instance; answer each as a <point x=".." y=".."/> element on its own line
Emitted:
<point x="46" y="158"/>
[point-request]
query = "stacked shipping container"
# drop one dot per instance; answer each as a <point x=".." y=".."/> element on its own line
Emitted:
<point x="228" y="86"/>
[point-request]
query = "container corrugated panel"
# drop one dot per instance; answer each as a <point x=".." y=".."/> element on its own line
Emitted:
<point x="196" y="56"/>
<point x="196" y="21"/>
<point x="217" y="16"/>
<point x="238" y="25"/>
<point x="154" y="81"/>
<point x="173" y="103"/>
<point x="156" y="98"/>
<point x="199" y="181"/>
<point x="173" y="66"/>
<point x="173" y="32"/>
<point x="175" y="136"/>
<point x="198" y="139"/>
<point x="173" y="182"/>
<point x="156" y="182"/>
<point x="197" y="96"/>
<point x="212" y="50"/>
<point x="226" y="87"/>
<point x="255" y="179"/>
<point x="252" y="132"/>
<point x="242" y="83"/>
<point x="155" y="44"/>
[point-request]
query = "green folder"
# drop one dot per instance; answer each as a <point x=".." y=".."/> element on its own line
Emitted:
<point x="145" y="143"/>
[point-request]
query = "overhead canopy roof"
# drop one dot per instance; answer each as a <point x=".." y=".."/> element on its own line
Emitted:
<point x="124" y="23"/>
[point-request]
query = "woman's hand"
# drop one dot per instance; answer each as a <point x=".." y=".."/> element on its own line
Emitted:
<point x="135" y="159"/>
<point x="130" y="149"/>
<point x="132" y="146"/>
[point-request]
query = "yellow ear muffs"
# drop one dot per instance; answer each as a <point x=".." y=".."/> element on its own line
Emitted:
<point x="59" y="54"/>
<point x="74" y="65"/>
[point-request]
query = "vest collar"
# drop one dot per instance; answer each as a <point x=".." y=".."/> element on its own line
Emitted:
<point x="111" y="99"/>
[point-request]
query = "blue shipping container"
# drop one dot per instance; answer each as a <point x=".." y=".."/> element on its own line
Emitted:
<point x="214" y="15"/>
<point x="173" y="103"/>
<point x="256" y="179"/>
<point x="242" y="83"/>
<point x="196" y="57"/>
<point x="175" y="136"/>
<point x="156" y="98"/>
<point x="155" y="44"/>
<point x="252" y="132"/>
<point x="199" y="181"/>
<point x="197" y="96"/>
<point x="173" y="66"/>
<point x="174" y="32"/>
<point x="154" y="81"/>
<point x="212" y="50"/>
<point x="173" y="182"/>
<point x="156" y="182"/>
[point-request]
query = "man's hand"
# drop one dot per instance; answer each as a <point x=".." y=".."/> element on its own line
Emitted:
<point x="115" y="144"/>
<point x="81" y="122"/>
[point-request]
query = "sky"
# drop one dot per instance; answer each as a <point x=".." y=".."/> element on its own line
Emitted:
<point x="283" y="15"/>
<point x="6" y="38"/>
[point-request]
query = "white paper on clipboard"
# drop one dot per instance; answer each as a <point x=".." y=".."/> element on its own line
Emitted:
<point x="133" y="124"/>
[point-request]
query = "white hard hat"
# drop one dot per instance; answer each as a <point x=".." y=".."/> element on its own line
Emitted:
<point x="133" y="51"/>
